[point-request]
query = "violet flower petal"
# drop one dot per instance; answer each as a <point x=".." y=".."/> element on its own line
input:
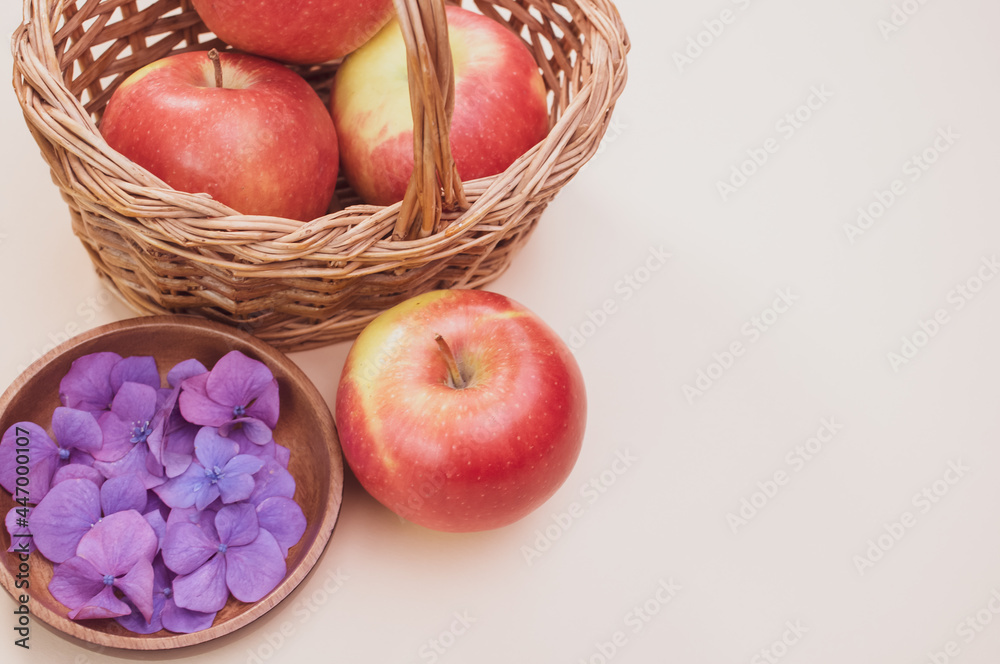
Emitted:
<point x="185" y="621"/>
<point x="266" y="407"/>
<point x="158" y="524"/>
<point x="136" y="369"/>
<point x="137" y="585"/>
<point x="236" y="524"/>
<point x="198" y="408"/>
<point x="283" y="518"/>
<point x="236" y="380"/>
<point x="134" y="463"/>
<point x="234" y="488"/>
<point x="183" y="490"/>
<point x="187" y="547"/>
<point x="102" y="605"/>
<point x="118" y="543"/>
<point x="75" y="582"/>
<point x="258" y="432"/>
<point x="42" y="456"/>
<point x="87" y="384"/>
<point x="66" y="514"/>
<point x="184" y="370"/>
<point x="137" y="624"/>
<point x="254" y="570"/>
<point x="75" y="471"/>
<point x="212" y="450"/>
<point x="129" y="422"/>
<point x="204" y="589"/>
<point x="178" y="450"/>
<point x="126" y="492"/>
<point x="76" y="429"/>
<point x="272" y="480"/>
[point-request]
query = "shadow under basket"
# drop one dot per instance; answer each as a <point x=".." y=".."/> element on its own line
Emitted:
<point x="295" y="284"/>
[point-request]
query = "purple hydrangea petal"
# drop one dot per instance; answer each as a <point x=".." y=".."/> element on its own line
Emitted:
<point x="243" y="464"/>
<point x="42" y="456"/>
<point x="198" y="408"/>
<point x="204" y="519"/>
<point x="126" y="492"/>
<point x="137" y="585"/>
<point x="236" y="524"/>
<point x="182" y="491"/>
<point x="187" y="547"/>
<point x="204" y="589"/>
<point x="234" y="488"/>
<point x="184" y="370"/>
<point x="119" y="542"/>
<point x="282" y="454"/>
<point x="75" y="582"/>
<point x="76" y="429"/>
<point x="87" y="385"/>
<point x="136" y="369"/>
<point x="272" y="480"/>
<point x="129" y="422"/>
<point x="213" y="450"/>
<point x="76" y="471"/>
<point x="254" y="570"/>
<point x="255" y="430"/>
<point x="102" y="605"/>
<point x="207" y="496"/>
<point x="18" y="543"/>
<point x="158" y="524"/>
<point x="283" y="518"/>
<point x="184" y="621"/>
<point x="178" y="449"/>
<point x="266" y="406"/>
<point x="67" y="513"/>
<point x="136" y="623"/>
<point x="236" y="380"/>
<point x="134" y="463"/>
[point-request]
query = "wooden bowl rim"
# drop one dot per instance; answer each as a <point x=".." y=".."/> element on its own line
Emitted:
<point x="279" y="364"/>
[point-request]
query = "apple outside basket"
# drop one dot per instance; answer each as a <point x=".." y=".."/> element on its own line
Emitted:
<point x="296" y="284"/>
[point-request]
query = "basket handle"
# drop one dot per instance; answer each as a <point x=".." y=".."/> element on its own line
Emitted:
<point x="435" y="184"/>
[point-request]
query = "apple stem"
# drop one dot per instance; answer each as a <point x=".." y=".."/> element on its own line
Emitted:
<point x="213" y="55"/>
<point x="457" y="381"/>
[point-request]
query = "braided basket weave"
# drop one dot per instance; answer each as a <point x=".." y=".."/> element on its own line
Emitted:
<point x="300" y="284"/>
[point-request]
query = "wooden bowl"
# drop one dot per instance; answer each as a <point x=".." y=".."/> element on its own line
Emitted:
<point x="305" y="426"/>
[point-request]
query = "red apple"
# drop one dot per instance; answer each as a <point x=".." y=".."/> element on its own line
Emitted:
<point x="299" y="31"/>
<point x="460" y="410"/>
<point x="262" y="142"/>
<point x="500" y="112"/>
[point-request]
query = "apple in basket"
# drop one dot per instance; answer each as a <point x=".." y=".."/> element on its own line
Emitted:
<point x="500" y="111"/>
<point x="246" y="130"/>
<point x="460" y="410"/>
<point x="303" y="31"/>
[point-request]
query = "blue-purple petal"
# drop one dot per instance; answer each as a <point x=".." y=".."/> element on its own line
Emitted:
<point x="21" y="538"/>
<point x="126" y="492"/>
<point x="236" y="524"/>
<point x="212" y="450"/>
<point x="119" y="542"/>
<point x="236" y="380"/>
<point x="198" y="408"/>
<point x="76" y="429"/>
<point x="254" y="570"/>
<point x="135" y="369"/>
<point x="283" y="518"/>
<point x="204" y="589"/>
<point x="67" y="513"/>
<point x="137" y="585"/>
<point x="185" y="621"/>
<point x="41" y="459"/>
<point x="87" y="385"/>
<point x="184" y="370"/>
<point x="187" y="547"/>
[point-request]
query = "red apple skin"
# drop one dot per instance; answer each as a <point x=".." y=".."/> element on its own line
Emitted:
<point x="501" y="107"/>
<point x="461" y="460"/>
<point x="263" y="144"/>
<point x="295" y="31"/>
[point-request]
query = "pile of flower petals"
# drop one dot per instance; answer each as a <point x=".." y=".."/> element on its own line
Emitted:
<point x="154" y="503"/>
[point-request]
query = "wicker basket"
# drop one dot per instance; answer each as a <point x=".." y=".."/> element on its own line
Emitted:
<point x="299" y="284"/>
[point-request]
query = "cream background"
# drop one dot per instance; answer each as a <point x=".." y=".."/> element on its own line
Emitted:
<point x="664" y="517"/>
